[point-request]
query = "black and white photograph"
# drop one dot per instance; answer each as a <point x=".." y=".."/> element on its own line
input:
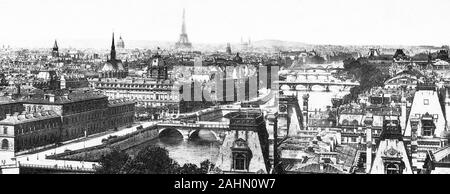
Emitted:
<point x="200" y="88"/>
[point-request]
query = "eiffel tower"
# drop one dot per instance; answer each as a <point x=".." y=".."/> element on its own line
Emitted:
<point x="183" y="42"/>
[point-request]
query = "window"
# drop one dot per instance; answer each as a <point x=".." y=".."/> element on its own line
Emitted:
<point x="393" y="169"/>
<point x="5" y="130"/>
<point x="5" y="144"/>
<point x="240" y="162"/>
<point x="345" y="122"/>
<point x="426" y="102"/>
<point x="428" y="126"/>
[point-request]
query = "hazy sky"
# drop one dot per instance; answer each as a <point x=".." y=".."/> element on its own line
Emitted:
<point x="408" y="22"/>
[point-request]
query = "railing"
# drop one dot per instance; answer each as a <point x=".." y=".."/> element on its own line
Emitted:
<point x="56" y="167"/>
<point x="318" y="82"/>
<point x="221" y="125"/>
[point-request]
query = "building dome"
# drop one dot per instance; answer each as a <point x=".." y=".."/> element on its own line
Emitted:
<point x="120" y="43"/>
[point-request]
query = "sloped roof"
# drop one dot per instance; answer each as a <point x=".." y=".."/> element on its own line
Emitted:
<point x="315" y="168"/>
<point x="29" y="117"/>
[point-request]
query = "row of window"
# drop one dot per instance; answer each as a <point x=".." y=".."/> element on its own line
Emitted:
<point x="147" y="97"/>
<point x="85" y="106"/>
<point x="36" y="126"/>
<point x="84" y="117"/>
<point x="120" y="109"/>
<point x="134" y="86"/>
<point x="121" y="121"/>
<point x="28" y="142"/>
<point x="346" y="122"/>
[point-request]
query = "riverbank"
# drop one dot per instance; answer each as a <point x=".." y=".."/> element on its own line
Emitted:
<point x="122" y="143"/>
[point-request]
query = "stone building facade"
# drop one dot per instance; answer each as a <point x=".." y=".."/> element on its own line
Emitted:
<point x="52" y="119"/>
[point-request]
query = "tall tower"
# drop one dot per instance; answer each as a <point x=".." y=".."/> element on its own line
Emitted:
<point x="55" y="50"/>
<point x="183" y="42"/>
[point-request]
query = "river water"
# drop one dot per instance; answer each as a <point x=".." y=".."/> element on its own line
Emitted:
<point x="182" y="150"/>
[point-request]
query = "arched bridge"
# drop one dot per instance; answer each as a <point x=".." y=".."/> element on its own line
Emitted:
<point x="192" y="130"/>
<point x="313" y="81"/>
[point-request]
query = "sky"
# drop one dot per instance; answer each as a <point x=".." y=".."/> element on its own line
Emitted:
<point x="339" y="22"/>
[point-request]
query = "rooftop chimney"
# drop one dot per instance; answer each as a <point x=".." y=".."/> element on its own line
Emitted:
<point x="368" y="123"/>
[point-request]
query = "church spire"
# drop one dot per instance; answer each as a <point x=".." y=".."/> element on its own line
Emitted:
<point x="55" y="50"/>
<point x="55" y="46"/>
<point x="113" y="49"/>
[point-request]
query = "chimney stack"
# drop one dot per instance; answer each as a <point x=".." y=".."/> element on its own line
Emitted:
<point x="414" y="128"/>
<point x="368" y="122"/>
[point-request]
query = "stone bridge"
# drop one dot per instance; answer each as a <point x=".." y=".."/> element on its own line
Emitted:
<point x="191" y="130"/>
<point x="313" y="81"/>
<point x="217" y="112"/>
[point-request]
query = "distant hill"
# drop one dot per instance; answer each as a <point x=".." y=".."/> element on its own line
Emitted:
<point x="278" y="44"/>
<point x="149" y="44"/>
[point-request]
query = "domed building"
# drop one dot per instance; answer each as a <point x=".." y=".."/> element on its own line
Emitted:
<point x="113" y="68"/>
<point x="120" y="43"/>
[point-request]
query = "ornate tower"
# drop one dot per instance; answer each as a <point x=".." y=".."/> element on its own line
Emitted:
<point x="158" y="68"/>
<point x="183" y="42"/>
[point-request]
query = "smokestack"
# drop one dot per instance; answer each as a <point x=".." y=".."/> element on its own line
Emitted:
<point x="414" y="128"/>
<point x="403" y="116"/>
<point x="368" y="122"/>
<point x="305" y="110"/>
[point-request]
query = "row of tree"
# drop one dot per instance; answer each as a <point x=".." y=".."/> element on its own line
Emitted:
<point x="150" y="160"/>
